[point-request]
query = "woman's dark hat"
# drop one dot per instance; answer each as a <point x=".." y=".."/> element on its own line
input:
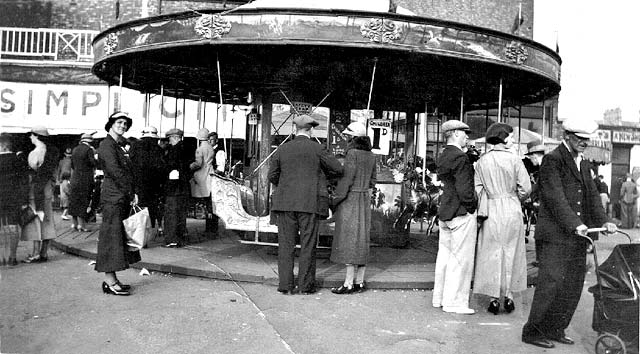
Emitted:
<point x="118" y="115"/>
<point x="497" y="132"/>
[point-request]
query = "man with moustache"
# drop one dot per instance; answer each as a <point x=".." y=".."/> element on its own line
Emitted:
<point x="569" y="204"/>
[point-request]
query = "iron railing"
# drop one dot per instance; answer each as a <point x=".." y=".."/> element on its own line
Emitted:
<point x="46" y="45"/>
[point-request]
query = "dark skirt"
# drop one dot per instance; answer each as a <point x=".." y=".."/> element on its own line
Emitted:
<point x="80" y="193"/>
<point x="113" y="252"/>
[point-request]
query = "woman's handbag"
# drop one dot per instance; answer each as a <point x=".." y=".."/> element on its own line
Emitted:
<point x="26" y="215"/>
<point x="136" y="227"/>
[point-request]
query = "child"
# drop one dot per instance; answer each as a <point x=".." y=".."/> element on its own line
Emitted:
<point x="64" y="195"/>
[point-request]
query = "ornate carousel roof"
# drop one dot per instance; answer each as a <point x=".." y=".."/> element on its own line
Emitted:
<point x="310" y="53"/>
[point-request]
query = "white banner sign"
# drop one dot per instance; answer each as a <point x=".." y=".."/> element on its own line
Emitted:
<point x="75" y="109"/>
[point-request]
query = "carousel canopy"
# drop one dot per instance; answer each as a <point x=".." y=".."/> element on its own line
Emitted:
<point x="359" y="5"/>
<point x="360" y="58"/>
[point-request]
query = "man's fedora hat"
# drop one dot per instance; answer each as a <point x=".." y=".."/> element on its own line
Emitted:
<point x="174" y="131"/>
<point x="535" y="146"/>
<point x="150" y="132"/>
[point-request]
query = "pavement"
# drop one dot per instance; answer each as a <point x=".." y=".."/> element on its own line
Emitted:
<point x="224" y="257"/>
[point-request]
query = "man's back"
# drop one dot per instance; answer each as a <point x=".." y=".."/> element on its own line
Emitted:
<point x="296" y="170"/>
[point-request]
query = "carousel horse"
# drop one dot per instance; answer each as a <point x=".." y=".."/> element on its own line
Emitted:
<point x="423" y="204"/>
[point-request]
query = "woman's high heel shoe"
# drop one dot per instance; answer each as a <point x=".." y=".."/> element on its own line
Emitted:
<point x="494" y="307"/>
<point x="509" y="306"/>
<point x="114" y="289"/>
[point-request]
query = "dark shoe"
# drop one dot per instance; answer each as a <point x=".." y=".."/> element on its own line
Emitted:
<point x="114" y="289"/>
<point x="34" y="259"/>
<point x="559" y="337"/>
<point x="494" y="307"/>
<point x="309" y="292"/>
<point x="359" y="288"/>
<point x="509" y="306"/>
<point x="125" y="287"/>
<point x="286" y="291"/>
<point x="12" y="262"/>
<point x="538" y="342"/>
<point x="342" y="290"/>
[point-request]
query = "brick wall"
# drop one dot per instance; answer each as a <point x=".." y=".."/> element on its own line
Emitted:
<point x="495" y="14"/>
<point x="100" y="14"/>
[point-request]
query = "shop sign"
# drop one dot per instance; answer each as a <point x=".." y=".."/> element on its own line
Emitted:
<point x="252" y="118"/>
<point x="380" y="133"/>
<point x="626" y="137"/>
<point x="601" y="138"/>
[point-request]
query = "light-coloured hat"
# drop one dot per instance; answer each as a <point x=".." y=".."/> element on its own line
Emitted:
<point x="203" y="134"/>
<point x="118" y="115"/>
<point x="584" y="128"/>
<point x="535" y="146"/>
<point x="454" y="125"/>
<point x="174" y="131"/>
<point x="67" y="152"/>
<point x="40" y="130"/>
<point x="150" y="132"/>
<point x="87" y="136"/>
<point x="355" y="129"/>
<point x="305" y="121"/>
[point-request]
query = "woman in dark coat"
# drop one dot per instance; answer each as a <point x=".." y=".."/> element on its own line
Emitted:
<point x="117" y="197"/>
<point x="83" y="163"/>
<point x="14" y="194"/>
<point x="351" y="239"/>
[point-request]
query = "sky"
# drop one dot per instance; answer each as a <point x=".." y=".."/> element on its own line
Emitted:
<point x="600" y="47"/>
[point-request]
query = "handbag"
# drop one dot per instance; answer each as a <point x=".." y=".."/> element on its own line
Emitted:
<point x="26" y="215"/>
<point x="137" y="226"/>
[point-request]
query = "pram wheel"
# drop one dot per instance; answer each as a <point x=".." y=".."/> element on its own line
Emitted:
<point x="608" y="343"/>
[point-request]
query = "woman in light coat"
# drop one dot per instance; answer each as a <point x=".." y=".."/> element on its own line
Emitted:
<point x="501" y="182"/>
<point x="350" y="245"/>
<point x="202" y="167"/>
<point x="43" y="161"/>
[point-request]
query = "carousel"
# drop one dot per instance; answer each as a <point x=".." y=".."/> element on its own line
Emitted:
<point x="399" y="73"/>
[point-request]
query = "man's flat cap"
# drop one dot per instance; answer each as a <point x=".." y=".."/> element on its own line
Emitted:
<point x="174" y="131"/>
<point x="305" y="121"/>
<point x="584" y="128"/>
<point x="535" y="146"/>
<point x="454" y="125"/>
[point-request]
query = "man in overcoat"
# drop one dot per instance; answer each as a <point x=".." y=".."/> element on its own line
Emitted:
<point x="569" y="204"/>
<point x="295" y="171"/>
<point x="458" y="225"/>
<point x="177" y="190"/>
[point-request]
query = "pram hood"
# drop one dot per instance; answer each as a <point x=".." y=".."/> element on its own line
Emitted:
<point x="614" y="272"/>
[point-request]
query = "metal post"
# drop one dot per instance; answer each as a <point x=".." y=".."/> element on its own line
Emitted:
<point x="120" y="98"/>
<point x="500" y="102"/>
<point x="544" y="111"/>
<point x="461" y="106"/>
<point x="161" y="106"/>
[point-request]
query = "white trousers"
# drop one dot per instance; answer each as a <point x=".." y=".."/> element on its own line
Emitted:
<point x="454" y="262"/>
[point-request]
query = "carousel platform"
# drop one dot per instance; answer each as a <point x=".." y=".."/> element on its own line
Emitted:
<point x="223" y="257"/>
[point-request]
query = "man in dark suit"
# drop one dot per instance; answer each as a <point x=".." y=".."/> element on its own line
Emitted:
<point x="296" y="171"/>
<point x="177" y="190"/>
<point x="569" y="204"/>
<point x="458" y="225"/>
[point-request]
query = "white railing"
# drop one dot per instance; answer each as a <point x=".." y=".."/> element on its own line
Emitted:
<point x="46" y="45"/>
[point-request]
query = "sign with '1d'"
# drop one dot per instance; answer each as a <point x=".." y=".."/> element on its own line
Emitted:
<point x="379" y="132"/>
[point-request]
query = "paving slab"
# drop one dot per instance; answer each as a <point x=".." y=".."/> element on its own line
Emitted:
<point x="224" y="257"/>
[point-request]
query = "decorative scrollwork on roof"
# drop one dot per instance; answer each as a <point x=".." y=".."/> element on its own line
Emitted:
<point x="110" y="43"/>
<point x="212" y="26"/>
<point x="381" y="31"/>
<point x="516" y="52"/>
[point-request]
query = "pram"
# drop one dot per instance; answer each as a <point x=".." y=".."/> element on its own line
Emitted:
<point x="615" y="307"/>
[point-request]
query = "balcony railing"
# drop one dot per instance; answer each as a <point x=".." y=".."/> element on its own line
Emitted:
<point x="46" y="46"/>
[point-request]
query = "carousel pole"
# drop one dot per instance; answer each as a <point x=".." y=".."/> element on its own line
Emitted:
<point x="224" y="143"/>
<point x="161" y="107"/>
<point x="108" y="99"/>
<point x="373" y="77"/>
<point x="199" y="112"/>
<point x="175" y="118"/>
<point x="519" y="127"/>
<point x="426" y="140"/>
<point x="544" y="111"/>
<point x="184" y="112"/>
<point x="500" y="102"/>
<point x="120" y="94"/>
<point x="461" y="106"/>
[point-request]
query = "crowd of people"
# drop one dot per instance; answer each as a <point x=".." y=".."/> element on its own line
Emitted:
<point x="481" y="220"/>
